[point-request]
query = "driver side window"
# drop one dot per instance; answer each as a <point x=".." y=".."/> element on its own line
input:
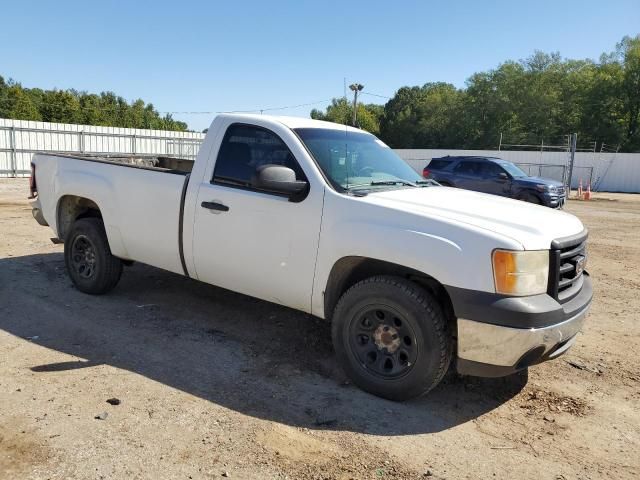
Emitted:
<point x="244" y="149"/>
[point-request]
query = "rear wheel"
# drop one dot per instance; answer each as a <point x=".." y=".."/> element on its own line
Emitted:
<point x="391" y="337"/>
<point x="90" y="264"/>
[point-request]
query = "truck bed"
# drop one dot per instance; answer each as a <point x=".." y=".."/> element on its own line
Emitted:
<point x="151" y="162"/>
<point x="139" y="199"/>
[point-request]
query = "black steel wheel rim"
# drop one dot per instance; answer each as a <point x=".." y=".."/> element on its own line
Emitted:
<point x="83" y="257"/>
<point x="383" y="341"/>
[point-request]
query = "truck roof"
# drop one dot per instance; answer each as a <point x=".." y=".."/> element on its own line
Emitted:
<point x="291" y="122"/>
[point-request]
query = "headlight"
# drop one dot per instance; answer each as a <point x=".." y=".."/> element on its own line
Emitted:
<point x="521" y="272"/>
<point x="544" y="188"/>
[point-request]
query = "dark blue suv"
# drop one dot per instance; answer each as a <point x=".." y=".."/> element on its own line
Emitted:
<point x="496" y="176"/>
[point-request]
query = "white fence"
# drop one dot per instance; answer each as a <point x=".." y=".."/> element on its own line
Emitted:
<point x="19" y="139"/>
<point x="612" y="172"/>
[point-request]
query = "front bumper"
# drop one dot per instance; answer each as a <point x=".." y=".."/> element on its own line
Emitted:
<point x="499" y="348"/>
<point x="554" y="200"/>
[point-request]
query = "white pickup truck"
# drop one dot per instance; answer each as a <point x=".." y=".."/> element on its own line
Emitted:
<point x="326" y="219"/>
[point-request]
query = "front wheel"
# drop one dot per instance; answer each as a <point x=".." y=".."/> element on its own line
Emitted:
<point x="391" y="337"/>
<point x="530" y="198"/>
<point x="90" y="264"/>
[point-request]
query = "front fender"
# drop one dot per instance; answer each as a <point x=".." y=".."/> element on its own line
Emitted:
<point x="454" y="254"/>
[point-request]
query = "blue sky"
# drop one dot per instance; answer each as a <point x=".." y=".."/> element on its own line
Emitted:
<point x="245" y="55"/>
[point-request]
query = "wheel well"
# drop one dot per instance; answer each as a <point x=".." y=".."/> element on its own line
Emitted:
<point x="525" y="193"/>
<point x="350" y="270"/>
<point x="71" y="208"/>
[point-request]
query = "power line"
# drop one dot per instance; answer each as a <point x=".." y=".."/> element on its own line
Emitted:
<point x="376" y="95"/>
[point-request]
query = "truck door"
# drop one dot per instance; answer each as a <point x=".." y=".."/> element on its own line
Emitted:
<point x="254" y="242"/>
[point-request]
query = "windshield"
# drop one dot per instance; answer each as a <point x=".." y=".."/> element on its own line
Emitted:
<point x="357" y="160"/>
<point x="512" y="169"/>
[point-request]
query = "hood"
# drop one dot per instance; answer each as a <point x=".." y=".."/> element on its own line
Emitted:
<point x="538" y="181"/>
<point x="532" y="226"/>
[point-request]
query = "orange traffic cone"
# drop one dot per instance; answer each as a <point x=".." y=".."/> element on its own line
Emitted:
<point x="587" y="194"/>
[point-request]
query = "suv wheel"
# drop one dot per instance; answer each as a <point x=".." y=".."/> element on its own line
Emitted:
<point x="530" y="198"/>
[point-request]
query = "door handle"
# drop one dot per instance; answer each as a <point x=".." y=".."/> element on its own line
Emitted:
<point x="215" y="206"/>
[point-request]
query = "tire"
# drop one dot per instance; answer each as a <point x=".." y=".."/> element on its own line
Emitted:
<point x="391" y="337"/>
<point x="530" y="198"/>
<point x="87" y="256"/>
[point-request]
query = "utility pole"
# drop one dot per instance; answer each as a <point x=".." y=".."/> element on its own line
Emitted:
<point x="574" y="141"/>
<point x="355" y="88"/>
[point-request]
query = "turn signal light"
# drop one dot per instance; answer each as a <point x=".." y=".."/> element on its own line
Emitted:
<point x="521" y="273"/>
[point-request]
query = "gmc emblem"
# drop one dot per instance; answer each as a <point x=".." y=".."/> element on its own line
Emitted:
<point x="580" y="262"/>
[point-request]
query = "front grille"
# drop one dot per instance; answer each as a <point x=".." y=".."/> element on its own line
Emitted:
<point x="565" y="275"/>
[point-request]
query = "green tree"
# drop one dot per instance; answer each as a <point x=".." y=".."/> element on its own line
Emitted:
<point x="341" y="111"/>
<point x="629" y="53"/>
<point x="60" y="106"/>
<point x="20" y="105"/>
<point x="91" y="109"/>
<point x="541" y="98"/>
<point x="72" y="106"/>
<point x="4" y="110"/>
<point x="418" y="117"/>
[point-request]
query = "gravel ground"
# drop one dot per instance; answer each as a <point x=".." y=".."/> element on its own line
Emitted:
<point x="213" y="384"/>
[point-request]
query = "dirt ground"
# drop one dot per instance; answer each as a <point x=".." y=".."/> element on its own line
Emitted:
<point x="214" y="384"/>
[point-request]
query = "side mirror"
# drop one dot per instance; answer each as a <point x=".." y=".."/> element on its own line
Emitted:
<point x="279" y="179"/>
<point x="503" y="176"/>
